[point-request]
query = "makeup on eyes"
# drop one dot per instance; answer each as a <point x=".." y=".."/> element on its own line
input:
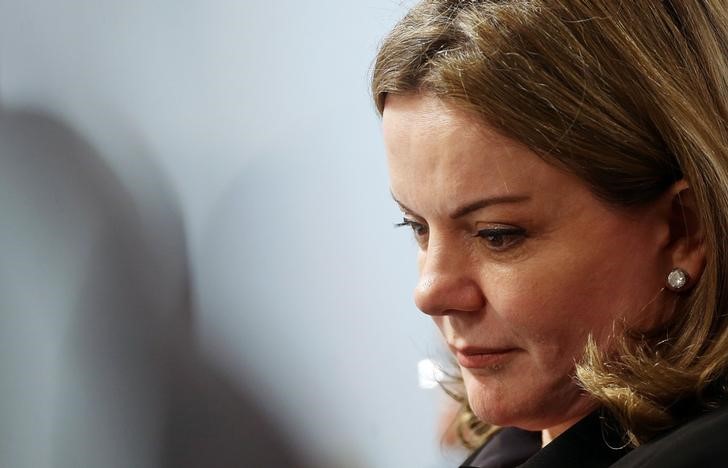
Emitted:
<point x="502" y="237"/>
<point x="497" y="237"/>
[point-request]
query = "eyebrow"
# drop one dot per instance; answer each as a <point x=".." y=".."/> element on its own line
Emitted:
<point x="475" y="205"/>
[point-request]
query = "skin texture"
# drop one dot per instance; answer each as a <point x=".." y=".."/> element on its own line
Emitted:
<point x="563" y="265"/>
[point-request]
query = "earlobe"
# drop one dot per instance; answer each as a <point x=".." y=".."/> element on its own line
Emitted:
<point x="686" y="246"/>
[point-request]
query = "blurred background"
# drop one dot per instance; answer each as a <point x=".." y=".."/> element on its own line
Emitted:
<point x="198" y="264"/>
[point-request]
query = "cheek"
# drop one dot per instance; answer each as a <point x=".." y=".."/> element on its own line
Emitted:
<point x="536" y="319"/>
<point x="554" y="314"/>
<point x="553" y="306"/>
<point x="613" y="290"/>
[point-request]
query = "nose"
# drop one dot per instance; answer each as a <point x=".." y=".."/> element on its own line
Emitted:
<point x="446" y="285"/>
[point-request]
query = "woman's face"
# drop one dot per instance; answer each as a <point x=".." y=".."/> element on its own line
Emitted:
<point x="518" y="261"/>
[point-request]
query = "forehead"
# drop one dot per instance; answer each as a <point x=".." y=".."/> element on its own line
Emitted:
<point x="439" y="153"/>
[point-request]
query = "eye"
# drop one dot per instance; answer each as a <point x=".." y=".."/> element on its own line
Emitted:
<point x="419" y="229"/>
<point x="501" y="238"/>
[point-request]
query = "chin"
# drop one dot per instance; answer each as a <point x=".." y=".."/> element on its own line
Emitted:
<point x="497" y="400"/>
<point x="489" y="399"/>
<point x="525" y="403"/>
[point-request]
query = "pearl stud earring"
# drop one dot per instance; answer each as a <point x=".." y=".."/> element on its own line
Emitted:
<point x="677" y="279"/>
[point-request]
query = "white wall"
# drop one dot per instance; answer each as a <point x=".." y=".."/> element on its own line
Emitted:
<point x="254" y="121"/>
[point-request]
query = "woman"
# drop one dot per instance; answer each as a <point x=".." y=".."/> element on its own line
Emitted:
<point x="564" y="168"/>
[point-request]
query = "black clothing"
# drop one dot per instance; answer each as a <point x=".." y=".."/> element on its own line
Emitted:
<point x="590" y="443"/>
<point x="508" y="448"/>
<point x="701" y="442"/>
<point x="593" y="442"/>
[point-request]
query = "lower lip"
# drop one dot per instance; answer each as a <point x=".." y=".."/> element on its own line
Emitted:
<point x="479" y="361"/>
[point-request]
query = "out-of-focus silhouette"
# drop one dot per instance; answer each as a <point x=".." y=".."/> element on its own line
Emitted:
<point x="98" y="365"/>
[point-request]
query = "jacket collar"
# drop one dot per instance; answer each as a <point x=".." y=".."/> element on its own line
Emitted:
<point x="591" y="443"/>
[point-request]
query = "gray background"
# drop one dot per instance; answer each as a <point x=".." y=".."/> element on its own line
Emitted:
<point x="218" y="165"/>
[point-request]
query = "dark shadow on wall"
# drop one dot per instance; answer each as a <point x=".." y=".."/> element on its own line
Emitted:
<point x="94" y="372"/>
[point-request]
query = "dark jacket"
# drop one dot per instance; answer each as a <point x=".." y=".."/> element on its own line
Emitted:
<point x="702" y="441"/>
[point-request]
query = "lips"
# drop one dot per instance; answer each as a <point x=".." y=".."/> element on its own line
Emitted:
<point x="478" y="358"/>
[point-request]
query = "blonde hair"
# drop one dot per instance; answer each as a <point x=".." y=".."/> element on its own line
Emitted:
<point x="629" y="96"/>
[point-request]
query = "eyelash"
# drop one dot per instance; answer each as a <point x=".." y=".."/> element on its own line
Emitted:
<point x="508" y="236"/>
<point x="494" y="237"/>
<point x="416" y="227"/>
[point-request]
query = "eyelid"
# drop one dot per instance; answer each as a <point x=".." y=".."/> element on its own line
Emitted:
<point x="502" y="230"/>
<point x="408" y="222"/>
<point x="509" y="236"/>
<point x="420" y="230"/>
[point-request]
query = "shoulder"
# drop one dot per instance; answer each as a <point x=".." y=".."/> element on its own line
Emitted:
<point x="699" y="442"/>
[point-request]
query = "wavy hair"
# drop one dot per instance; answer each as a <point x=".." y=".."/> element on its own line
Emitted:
<point x="630" y="96"/>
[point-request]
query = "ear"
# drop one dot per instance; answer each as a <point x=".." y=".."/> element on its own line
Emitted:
<point x="686" y="247"/>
